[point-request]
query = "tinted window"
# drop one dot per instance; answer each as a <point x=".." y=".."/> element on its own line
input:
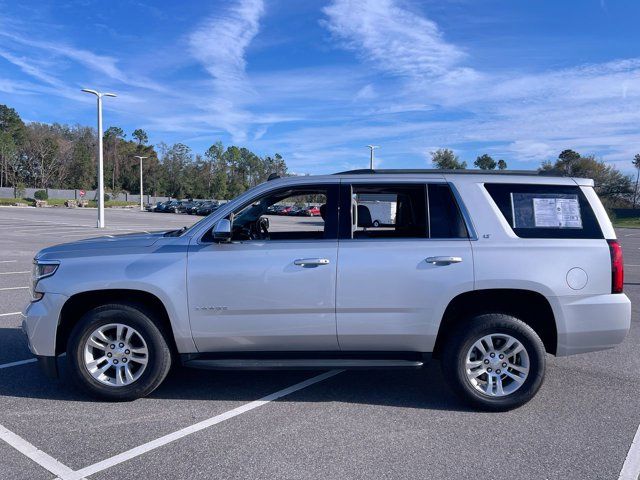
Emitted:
<point x="445" y="220"/>
<point x="389" y="211"/>
<point x="285" y="215"/>
<point x="545" y="211"/>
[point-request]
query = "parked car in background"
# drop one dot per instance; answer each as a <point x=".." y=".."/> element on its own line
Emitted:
<point x="185" y="206"/>
<point x="160" y="207"/>
<point x="311" y="211"/>
<point x="193" y="208"/>
<point x="173" y="206"/>
<point x="383" y="213"/>
<point x="207" y="208"/>
<point x="285" y="210"/>
<point x="151" y="207"/>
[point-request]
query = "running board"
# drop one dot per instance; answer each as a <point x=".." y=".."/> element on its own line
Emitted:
<point x="300" y="364"/>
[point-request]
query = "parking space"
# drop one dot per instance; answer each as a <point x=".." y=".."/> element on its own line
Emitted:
<point x="352" y="425"/>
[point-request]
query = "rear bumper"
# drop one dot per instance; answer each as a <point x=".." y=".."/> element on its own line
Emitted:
<point x="588" y="324"/>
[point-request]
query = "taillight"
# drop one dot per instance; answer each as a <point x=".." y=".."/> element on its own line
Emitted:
<point x="617" y="266"/>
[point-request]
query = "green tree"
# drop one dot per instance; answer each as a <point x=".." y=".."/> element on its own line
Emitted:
<point x="141" y="136"/>
<point x="175" y="162"/>
<point x="609" y="182"/>
<point x="112" y="139"/>
<point x="445" y="159"/>
<point x="485" y="162"/>
<point x="12" y="136"/>
<point x="502" y="165"/>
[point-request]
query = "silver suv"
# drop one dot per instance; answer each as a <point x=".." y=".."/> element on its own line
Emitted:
<point x="485" y="272"/>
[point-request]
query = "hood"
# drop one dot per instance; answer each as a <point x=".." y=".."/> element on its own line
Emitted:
<point x="128" y="240"/>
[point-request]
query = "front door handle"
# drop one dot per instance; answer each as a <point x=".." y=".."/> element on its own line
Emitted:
<point x="443" y="260"/>
<point x="311" y="262"/>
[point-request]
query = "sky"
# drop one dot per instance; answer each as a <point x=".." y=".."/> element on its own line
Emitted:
<point x="317" y="81"/>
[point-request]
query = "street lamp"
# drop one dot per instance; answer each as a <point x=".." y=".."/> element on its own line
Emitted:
<point x="371" y="149"/>
<point x="141" y="158"/>
<point x="99" y="96"/>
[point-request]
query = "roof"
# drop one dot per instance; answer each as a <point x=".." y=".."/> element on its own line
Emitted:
<point x="367" y="171"/>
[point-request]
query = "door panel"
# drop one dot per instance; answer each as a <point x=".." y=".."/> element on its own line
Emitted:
<point x="390" y="298"/>
<point x="251" y="296"/>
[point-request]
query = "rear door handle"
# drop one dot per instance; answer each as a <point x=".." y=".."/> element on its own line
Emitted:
<point x="311" y="262"/>
<point x="443" y="260"/>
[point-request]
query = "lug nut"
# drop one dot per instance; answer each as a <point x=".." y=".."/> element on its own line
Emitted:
<point x="501" y="356"/>
<point x="127" y="351"/>
<point x="115" y="361"/>
<point x="492" y="355"/>
<point x="504" y="365"/>
<point x="489" y="369"/>
<point x="109" y="354"/>
<point x="498" y="371"/>
<point x="113" y="346"/>
<point x="486" y="361"/>
<point x="121" y="345"/>
<point x="124" y="360"/>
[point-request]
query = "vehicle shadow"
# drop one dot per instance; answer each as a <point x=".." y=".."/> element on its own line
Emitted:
<point x="423" y="389"/>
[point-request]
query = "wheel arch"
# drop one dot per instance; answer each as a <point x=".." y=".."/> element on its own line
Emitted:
<point x="531" y="307"/>
<point x="77" y="305"/>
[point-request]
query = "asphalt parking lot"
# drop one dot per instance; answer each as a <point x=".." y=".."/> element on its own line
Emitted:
<point x="352" y="425"/>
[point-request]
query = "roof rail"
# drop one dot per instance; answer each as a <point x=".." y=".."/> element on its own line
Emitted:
<point x="368" y="171"/>
<point x="273" y="176"/>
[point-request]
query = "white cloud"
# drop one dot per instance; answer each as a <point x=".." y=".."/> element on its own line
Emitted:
<point x="394" y="39"/>
<point x="220" y="45"/>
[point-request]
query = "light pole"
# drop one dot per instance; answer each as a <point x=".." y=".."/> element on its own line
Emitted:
<point x="141" y="158"/>
<point x="99" y="96"/>
<point x="371" y="149"/>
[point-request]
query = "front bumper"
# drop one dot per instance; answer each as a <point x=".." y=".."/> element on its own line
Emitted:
<point x="40" y="323"/>
<point x="589" y="324"/>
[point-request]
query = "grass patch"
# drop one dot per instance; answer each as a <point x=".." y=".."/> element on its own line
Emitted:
<point x="631" y="222"/>
<point x="11" y="201"/>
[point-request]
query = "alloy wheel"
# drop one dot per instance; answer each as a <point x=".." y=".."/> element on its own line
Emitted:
<point x="116" y="354"/>
<point x="497" y="365"/>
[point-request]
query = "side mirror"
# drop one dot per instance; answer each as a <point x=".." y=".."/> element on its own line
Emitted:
<point x="222" y="230"/>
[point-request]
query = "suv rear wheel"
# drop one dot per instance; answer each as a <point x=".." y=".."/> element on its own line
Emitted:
<point x="494" y="362"/>
<point x="117" y="352"/>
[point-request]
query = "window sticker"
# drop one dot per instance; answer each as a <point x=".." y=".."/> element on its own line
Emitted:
<point x="539" y="210"/>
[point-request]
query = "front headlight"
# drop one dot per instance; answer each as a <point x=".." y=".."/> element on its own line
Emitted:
<point x="41" y="269"/>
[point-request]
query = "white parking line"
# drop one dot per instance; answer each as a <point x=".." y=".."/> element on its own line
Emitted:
<point x="8" y="261"/>
<point x="631" y="468"/>
<point x="44" y="460"/>
<point x="14" y="273"/>
<point x="9" y="314"/>
<point x="152" y="445"/>
<point x="13" y="288"/>
<point x="18" y="363"/>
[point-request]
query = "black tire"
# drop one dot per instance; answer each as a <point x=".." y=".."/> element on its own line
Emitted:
<point x="159" y="354"/>
<point x="461" y="340"/>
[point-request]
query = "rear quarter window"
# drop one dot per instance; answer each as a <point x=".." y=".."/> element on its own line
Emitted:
<point x="545" y="211"/>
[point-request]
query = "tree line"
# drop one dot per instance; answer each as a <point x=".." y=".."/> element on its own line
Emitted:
<point x="43" y="156"/>
<point x="614" y="187"/>
<point x="61" y="156"/>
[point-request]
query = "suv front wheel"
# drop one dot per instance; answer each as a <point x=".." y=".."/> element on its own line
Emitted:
<point x="116" y="352"/>
<point x="494" y="362"/>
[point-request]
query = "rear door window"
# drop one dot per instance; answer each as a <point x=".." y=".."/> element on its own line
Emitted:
<point x="545" y="211"/>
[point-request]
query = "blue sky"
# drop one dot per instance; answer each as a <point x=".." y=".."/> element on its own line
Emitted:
<point x="319" y="80"/>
